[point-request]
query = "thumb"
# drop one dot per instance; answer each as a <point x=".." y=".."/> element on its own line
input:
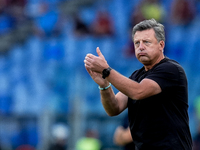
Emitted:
<point x="99" y="52"/>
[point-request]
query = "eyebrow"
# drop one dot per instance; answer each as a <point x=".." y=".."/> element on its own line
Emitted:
<point x="146" y="39"/>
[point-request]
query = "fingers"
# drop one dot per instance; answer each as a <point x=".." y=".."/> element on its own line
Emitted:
<point x="89" y="55"/>
<point x="88" y="59"/>
<point x="88" y="70"/>
<point x="95" y="63"/>
<point x="99" y="52"/>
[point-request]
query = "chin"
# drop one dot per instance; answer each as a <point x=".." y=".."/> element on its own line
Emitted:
<point x="144" y="61"/>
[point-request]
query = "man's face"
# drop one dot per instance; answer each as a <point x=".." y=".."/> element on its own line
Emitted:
<point x="147" y="48"/>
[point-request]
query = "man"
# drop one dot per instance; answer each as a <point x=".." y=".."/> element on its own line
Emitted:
<point x="122" y="136"/>
<point x="156" y="95"/>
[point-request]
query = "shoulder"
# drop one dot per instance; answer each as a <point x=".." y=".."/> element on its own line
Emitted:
<point x="168" y="73"/>
<point x="169" y="66"/>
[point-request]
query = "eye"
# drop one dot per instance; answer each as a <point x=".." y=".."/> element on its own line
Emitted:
<point x="146" y="42"/>
<point x="137" y="43"/>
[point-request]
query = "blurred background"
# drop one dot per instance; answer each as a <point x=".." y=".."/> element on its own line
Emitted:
<point x="47" y="99"/>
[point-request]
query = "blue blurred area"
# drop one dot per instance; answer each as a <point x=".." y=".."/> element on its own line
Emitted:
<point x="46" y="72"/>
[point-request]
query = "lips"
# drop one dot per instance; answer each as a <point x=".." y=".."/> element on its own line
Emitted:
<point x="141" y="54"/>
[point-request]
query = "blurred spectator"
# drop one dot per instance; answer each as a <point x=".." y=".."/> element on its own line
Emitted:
<point x="147" y="9"/>
<point x="26" y="137"/>
<point x="60" y="135"/>
<point x="81" y="28"/>
<point x="102" y="24"/>
<point x="196" y="140"/>
<point x="122" y="136"/>
<point x="136" y="16"/>
<point x="48" y="23"/>
<point x="6" y="22"/>
<point x="197" y="107"/>
<point x="25" y="147"/>
<point x="11" y="14"/>
<point x="182" y="12"/>
<point x="153" y="9"/>
<point x="3" y="4"/>
<point x="16" y="10"/>
<point x="89" y="142"/>
<point x="129" y="49"/>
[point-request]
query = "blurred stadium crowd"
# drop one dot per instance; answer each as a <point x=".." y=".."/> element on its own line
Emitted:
<point x="47" y="99"/>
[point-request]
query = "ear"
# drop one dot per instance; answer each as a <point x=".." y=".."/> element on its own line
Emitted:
<point x="162" y="45"/>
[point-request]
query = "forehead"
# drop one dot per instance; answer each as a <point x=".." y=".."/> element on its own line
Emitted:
<point x="145" y="34"/>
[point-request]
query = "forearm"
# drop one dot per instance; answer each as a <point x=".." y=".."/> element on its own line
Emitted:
<point x="109" y="102"/>
<point x="122" y="136"/>
<point x="125" y="85"/>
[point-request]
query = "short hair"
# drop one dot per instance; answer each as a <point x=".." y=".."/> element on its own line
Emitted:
<point x="150" y="24"/>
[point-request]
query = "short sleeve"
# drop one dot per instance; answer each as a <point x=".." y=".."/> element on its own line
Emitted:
<point x="166" y="75"/>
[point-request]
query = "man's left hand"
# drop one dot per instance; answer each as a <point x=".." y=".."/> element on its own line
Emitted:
<point x="96" y="63"/>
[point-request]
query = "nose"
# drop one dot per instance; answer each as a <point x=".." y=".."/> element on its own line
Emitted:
<point x="141" y="46"/>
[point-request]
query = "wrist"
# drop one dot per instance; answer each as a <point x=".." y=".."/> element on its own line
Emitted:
<point x="106" y="72"/>
<point x="105" y="87"/>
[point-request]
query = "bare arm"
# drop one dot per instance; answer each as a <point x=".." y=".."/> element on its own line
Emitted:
<point x="132" y="89"/>
<point x="127" y="87"/>
<point x="122" y="136"/>
<point x="113" y="104"/>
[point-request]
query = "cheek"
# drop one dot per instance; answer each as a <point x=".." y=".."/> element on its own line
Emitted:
<point x="136" y="52"/>
<point x="153" y="53"/>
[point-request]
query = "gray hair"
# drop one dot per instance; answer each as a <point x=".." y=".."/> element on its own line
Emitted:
<point x="150" y="24"/>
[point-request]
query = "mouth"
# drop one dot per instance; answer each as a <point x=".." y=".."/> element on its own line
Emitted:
<point x="141" y="54"/>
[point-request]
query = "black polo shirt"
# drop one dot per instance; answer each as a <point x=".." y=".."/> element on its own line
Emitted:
<point x="161" y="122"/>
